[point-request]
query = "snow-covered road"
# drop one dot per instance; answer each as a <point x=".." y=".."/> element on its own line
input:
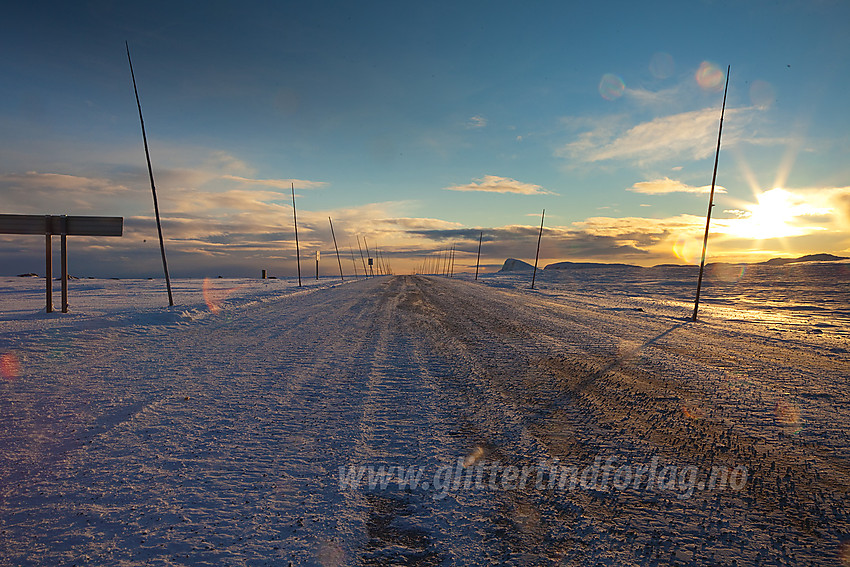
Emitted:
<point x="250" y="436"/>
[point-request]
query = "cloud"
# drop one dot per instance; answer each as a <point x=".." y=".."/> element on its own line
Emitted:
<point x="61" y="182"/>
<point x="639" y="228"/>
<point x="686" y="135"/>
<point x="278" y="183"/>
<point x="58" y="193"/>
<point x="476" y="122"/>
<point x="667" y="185"/>
<point x="239" y="242"/>
<point x="839" y="198"/>
<point x="519" y="241"/>
<point x="496" y="184"/>
<point x="660" y="98"/>
<point x="178" y="201"/>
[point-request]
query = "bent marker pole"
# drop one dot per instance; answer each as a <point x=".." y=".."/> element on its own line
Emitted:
<point x="478" y="260"/>
<point x="338" y="261"/>
<point x="537" y="256"/>
<point x="710" y="198"/>
<point x="153" y="186"/>
<point x="295" y="222"/>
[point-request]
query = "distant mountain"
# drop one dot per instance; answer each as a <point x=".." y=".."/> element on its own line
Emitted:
<point x="807" y="258"/>
<point x="514" y="265"/>
<point x="585" y="265"/>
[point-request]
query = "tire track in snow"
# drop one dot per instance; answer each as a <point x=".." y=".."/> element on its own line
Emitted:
<point x="411" y="371"/>
<point x="618" y="386"/>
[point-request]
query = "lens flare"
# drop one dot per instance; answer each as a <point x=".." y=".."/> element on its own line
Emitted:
<point x="10" y="368"/>
<point x="762" y="94"/>
<point x="693" y="412"/>
<point x="661" y="65"/>
<point x="687" y="250"/>
<point x="844" y="554"/>
<point x="729" y="273"/>
<point x="611" y="87"/>
<point x="214" y="298"/>
<point x="788" y="416"/>
<point x="331" y="554"/>
<point x="474" y="456"/>
<point x="709" y="76"/>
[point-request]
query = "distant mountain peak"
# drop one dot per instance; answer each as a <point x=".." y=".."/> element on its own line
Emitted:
<point x="513" y="265"/>
<point x="585" y="265"/>
<point x="806" y="258"/>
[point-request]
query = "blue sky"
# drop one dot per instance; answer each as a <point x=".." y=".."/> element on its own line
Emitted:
<point x="419" y="125"/>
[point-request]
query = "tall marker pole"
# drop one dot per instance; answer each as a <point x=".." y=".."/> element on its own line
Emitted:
<point x="362" y="259"/>
<point x="48" y="271"/>
<point x="295" y="222"/>
<point x="382" y="266"/>
<point x="153" y="187"/>
<point x="338" y="261"/>
<point x="353" y="261"/>
<point x="711" y="198"/>
<point x="537" y="256"/>
<point x="371" y="260"/>
<point x="63" y="261"/>
<point x="478" y="260"/>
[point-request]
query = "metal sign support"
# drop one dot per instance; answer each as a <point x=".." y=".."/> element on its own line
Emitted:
<point x="63" y="225"/>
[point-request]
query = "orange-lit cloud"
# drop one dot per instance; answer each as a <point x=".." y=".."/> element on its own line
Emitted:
<point x="279" y="183"/>
<point x="218" y="209"/>
<point x="496" y="184"/>
<point x="667" y="185"/>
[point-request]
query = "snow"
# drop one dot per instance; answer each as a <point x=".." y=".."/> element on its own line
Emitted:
<point x="214" y="432"/>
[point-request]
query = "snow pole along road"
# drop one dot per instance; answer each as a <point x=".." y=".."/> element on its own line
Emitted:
<point x="415" y="420"/>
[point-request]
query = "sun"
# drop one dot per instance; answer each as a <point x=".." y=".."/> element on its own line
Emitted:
<point x="775" y="215"/>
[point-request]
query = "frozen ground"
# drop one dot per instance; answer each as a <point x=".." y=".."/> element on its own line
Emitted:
<point x="213" y="433"/>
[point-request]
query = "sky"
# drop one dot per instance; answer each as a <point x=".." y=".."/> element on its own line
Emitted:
<point x="420" y="126"/>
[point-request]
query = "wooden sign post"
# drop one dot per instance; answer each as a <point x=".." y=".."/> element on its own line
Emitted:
<point x="63" y="225"/>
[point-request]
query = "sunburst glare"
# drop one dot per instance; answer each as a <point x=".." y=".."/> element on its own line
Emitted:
<point x="776" y="214"/>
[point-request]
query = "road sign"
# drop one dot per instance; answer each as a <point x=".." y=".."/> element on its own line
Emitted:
<point x="63" y="225"/>
<point x="52" y="224"/>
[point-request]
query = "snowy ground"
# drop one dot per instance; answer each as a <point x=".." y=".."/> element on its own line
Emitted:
<point x="214" y="432"/>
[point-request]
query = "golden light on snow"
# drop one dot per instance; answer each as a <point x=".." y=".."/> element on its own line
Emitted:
<point x="10" y="368"/>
